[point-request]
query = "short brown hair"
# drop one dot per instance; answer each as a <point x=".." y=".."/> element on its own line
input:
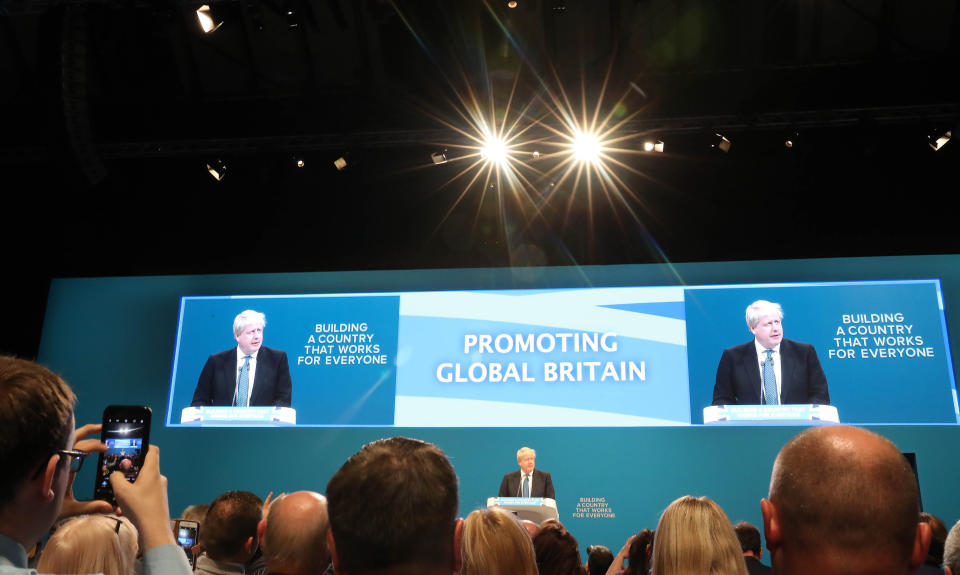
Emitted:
<point x="557" y="550"/>
<point x="230" y="521"/>
<point x="393" y="503"/>
<point x="36" y="410"/>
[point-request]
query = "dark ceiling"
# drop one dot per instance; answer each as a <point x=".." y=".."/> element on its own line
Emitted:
<point x="113" y="108"/>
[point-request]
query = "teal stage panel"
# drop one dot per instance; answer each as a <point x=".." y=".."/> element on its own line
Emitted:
<point x="114" y="340"/>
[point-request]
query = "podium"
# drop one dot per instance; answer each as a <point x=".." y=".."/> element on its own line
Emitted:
<point x="536" y="509"/>
<point x="226" y="416"/>
<point x="801" y="414"/>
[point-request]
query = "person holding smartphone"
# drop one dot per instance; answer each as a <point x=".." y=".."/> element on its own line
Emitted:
<point x="41" y="455"/>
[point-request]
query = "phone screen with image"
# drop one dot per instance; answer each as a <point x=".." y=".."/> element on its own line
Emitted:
<point x="126" y="431"/>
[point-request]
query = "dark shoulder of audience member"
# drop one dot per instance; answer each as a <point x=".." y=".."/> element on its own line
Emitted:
<point x="229" y="531"/>
<point x="557" y="550"/>
<point x="393" y="508"/>
<point x="599" y="559"/>
<point x="639" y="554"/>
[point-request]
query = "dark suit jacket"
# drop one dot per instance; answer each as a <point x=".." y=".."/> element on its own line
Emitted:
<point x="738" y="375"/>
<point x="218" y="379"/>
<point x="755" y="567"/>
<point x="542" y="485"/>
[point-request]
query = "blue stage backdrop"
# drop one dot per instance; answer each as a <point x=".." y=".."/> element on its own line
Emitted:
<point x="116" y="341"/>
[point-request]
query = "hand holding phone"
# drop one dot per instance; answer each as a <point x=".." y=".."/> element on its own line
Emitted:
<point x="187" y="534"/>
<point x="126" y="432"/>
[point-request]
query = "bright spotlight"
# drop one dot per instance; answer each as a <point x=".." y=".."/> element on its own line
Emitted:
<point x="586" y="147"/>
<point x="439" y="157"/>
<point x="205" y="16"/>
<point x="653" y="146"/>
<point x="494" y="150"/>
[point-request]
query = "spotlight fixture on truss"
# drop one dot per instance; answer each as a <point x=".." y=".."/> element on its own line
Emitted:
<point x="439" y="157"/>
<point x="721" y="143"/>
<point x="938" y="139"/>
<point x="207" y="21"/>
<point x="217" y="169"/>
<point x="341" y="163"/>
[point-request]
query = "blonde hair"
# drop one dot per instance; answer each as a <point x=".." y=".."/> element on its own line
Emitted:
<point x="91" y="544"/>
<point x="495" y="543"/>
<point x="694" y="537"/>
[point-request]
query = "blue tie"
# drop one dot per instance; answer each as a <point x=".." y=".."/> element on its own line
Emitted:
<point x="526" y="485"/>
<point x="769" y="380"/>
<point x="242" y="383"/>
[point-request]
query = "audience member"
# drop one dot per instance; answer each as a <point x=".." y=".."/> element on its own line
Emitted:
<point x="938" y="535"/>
<point x="293" y="535"/>
<point x="749" y="537"/>
<point x="843" y="500"/>
<point x="393" y="510"/>
<point x="695" y="537"/>
<point x="531" y="527"/>
<point x="41" y="453"/>
<point x="599" y="559"/>
<point x="195" y="512"/>
<point x="636" y="551"/>
<point x="229" y="534"/>
<point x="91" y="544"/>
<point x="557" y="550"/>
<point x="951" y="551"/>
<point x="494" y="543"/>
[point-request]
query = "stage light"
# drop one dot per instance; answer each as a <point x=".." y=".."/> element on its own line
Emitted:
<point x="439" y="157"/>
<point x="512" y="4"/>
<point x="938" y="139"/>
<point x="341" y="163"/>
<point x="586" y="147"/>
<point x="217" y="169"/>
<point x="721" y="143"/>
<point x="494" y="150"/>
<point x="653" y="146"/>
<point x="298" y="161"/>
<point x="207" y="22"/>
<point x="559" y="6"/>
<point x="536" y="155"/>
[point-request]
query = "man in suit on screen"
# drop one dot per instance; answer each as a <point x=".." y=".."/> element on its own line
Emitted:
<point x="247" y="375"/>
<point x="769" y="369"/>
<point x="526" y="482"/>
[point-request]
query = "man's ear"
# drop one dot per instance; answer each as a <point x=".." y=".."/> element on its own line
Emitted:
<point x="333" y="552"/>
<point x="457" y="540"/>
<point x="771" y="525"/>
<point x="48" y="477"/>
<point x="250" y="546"/>
<point x="921" y="543"/>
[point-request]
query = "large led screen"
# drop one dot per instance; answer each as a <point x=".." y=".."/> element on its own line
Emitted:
<point x="624" y="356"/>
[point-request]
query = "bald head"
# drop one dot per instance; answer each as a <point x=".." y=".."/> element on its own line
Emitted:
<point x="295" y="534"/>
<point x="843" y="493"/>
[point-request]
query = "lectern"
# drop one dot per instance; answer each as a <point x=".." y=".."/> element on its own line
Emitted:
<point x="536" y="509"/>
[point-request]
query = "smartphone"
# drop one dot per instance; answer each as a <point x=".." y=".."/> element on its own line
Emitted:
<point x="187" y="533"/>
<point x="126" y="431"/>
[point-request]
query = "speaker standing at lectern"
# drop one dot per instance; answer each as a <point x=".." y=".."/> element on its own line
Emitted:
<point x="526" y="482"/>
<point x="770" y="369"/>
<point x="248" y="375"/>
